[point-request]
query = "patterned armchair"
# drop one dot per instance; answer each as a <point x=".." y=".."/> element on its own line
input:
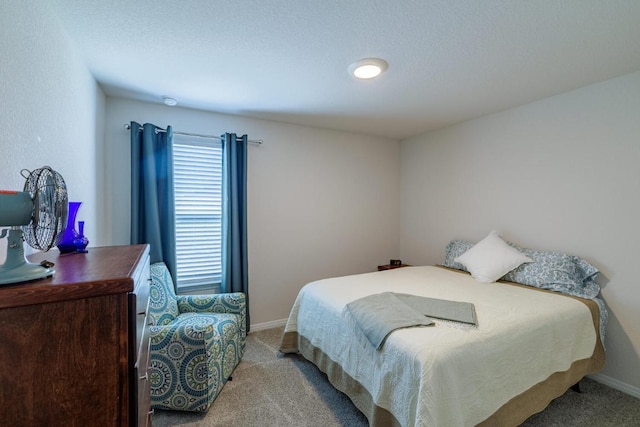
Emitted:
<point x="196" y="343"/>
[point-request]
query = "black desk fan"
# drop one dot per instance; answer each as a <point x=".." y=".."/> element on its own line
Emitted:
<point x="37" y="215"/>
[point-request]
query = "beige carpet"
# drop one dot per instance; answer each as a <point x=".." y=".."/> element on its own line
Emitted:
<point x="271" y="389"/>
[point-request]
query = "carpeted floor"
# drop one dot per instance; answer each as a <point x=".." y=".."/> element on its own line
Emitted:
<point x="272" y="389"/>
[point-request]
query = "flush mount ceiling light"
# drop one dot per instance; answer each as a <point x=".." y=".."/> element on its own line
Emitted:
<point x="171" y="102"/>
<point x="368" y="68"/>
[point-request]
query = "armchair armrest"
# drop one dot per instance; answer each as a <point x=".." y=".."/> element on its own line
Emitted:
<point x="232" y="303"/>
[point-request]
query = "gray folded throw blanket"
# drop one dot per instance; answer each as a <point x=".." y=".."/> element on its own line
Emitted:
<point x="380" y="314"/>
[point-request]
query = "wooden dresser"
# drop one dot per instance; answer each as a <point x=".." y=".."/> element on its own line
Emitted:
<point x="74" y="348"/>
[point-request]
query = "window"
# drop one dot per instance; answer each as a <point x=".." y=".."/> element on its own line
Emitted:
<point x="198" y="202"/>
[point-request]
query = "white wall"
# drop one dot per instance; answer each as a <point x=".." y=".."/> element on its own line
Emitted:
<point x="560" y="174"/>
<point x="52" y="109"/>
<point x="321" y="203"/>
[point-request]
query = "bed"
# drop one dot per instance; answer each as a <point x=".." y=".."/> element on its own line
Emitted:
<point x="529" y="346"/>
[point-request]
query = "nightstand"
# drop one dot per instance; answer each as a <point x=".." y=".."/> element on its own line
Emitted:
<point x="391" y="267"/>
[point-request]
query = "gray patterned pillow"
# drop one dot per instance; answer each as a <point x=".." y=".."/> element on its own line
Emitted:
<point x="556" y="271"/>
<point x="455" y="248"/>
<point x="549" y="270"/>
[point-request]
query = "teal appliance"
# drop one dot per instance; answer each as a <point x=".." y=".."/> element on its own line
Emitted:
<point x="38" y="216"/>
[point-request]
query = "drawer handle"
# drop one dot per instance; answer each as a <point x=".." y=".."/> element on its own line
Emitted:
<point x="144" y="377"/>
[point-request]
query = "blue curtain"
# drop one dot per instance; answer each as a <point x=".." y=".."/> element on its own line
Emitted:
<point x="235" y="274"/>
<point x="152" y="202"/>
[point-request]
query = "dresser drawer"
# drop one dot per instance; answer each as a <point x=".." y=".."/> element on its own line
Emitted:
<point x="142" y="360"/>
<point x="142" y="330"/>
<point x="140" y="306"/>
<point x="141" y="283"/>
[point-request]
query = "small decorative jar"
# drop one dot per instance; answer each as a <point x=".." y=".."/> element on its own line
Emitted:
<point x="70" y="234"/>
<point x="81" y="241"/>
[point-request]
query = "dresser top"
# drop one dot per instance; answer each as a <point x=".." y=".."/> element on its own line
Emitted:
<point x="102" y="271"/>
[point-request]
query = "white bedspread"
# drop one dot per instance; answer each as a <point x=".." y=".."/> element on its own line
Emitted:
<point x="450" y="374"/>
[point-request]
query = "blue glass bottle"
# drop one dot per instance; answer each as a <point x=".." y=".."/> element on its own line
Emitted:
<point x="66" y="244"/>
<point x="81" y="241"/>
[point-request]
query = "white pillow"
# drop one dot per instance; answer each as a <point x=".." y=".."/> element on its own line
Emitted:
<point x="491" y="258"/>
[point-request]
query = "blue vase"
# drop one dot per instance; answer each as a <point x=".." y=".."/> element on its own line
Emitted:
<point x="81" y="241"/>
<point x="66" y="244"/>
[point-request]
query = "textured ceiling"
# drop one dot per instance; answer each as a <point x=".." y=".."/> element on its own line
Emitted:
<point x="286" y="60"/>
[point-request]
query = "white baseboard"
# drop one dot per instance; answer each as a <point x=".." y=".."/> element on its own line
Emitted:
<point x="618" y="385"/>
<point x="268" y="325"/>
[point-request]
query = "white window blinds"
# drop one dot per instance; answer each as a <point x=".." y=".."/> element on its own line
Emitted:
<point x="198" y="203"/>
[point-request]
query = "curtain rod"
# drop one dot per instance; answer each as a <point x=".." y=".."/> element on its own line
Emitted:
<point x="127" y="126"/>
